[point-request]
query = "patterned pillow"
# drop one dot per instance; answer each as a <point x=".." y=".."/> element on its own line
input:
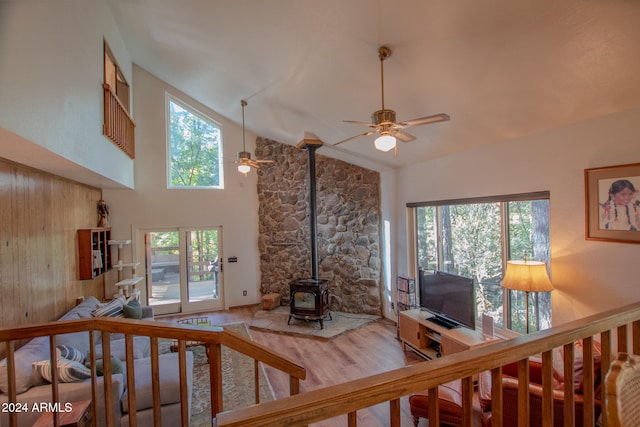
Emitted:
<point x="70" y="353"/>
<point x="117" y="366"/>
<point x="112" y="309"/>
<point x="132" y="310"/>
<point x="68" y="370"/>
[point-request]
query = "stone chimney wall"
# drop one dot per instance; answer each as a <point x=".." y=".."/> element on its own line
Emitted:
<point x="349" y="243"/>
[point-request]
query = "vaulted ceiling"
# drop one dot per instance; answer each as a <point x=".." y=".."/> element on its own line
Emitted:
<point x="500" y="68"/>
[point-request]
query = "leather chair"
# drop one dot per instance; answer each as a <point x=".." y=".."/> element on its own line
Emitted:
<point x="510" y="394"/>
<point x="449" y="404"/>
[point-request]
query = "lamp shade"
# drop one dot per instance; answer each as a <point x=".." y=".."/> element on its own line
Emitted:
<point x="385" y="142"/>
<point x="528" y="276"/>
<point x="244" y="168"/>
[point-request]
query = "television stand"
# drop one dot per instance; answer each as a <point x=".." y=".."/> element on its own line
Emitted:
<point x="421" y="333"/>
<point x="441" y="321"/>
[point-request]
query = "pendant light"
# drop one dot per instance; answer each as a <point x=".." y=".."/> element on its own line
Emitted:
<point x="244" y="157"/>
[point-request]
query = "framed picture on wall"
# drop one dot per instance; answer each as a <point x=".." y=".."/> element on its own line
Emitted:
<point x="612" y="203"/>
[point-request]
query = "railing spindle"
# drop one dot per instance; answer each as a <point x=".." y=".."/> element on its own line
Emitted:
<point x="569" y="395"/>
<point x="55" y="396"/>
<point x="256" y="379"/>
<point x="622" y="338"/>
<point x="118" y="125"/>
<point x="184" y="397"/>
<point x="433" y="410"/>
<point x="523" y="393"/>
<point x="155" y="382"/>
<point x="394" y="413"/>
<point x="588" y="382"/>
<point x="496" y="397"/>
<point x="131" y="381"/>
<point x="215" y="374"/>
<point x="94" y="378"/>
<point x="547" y="388"/>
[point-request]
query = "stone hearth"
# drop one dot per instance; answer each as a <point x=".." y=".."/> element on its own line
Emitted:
<point x="348" y="221"/>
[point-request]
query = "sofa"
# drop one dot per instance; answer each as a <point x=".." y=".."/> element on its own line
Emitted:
<point x="33" y="388"/>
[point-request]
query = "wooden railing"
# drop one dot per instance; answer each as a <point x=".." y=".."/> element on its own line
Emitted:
<point x="213" y="337"/>
<point x="611" y="328"/>
<point x="118" y="125"/>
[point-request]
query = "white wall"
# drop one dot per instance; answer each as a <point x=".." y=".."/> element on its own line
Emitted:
<point x="151" y="204"/>
<point x="589" y="276"/>
<point x="51" y="76"/>
<point x="388" y="231"/>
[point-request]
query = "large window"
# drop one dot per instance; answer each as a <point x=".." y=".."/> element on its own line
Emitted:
<point x="194" y="146"/>
<point x="476" y="237"/>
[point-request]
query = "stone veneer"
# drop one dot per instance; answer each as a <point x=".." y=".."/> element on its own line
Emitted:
<point x="348" y="212"/>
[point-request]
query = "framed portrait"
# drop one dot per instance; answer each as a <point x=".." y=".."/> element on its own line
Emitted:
<point x="612" y="203"/>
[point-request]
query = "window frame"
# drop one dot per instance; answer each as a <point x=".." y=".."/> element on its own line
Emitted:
<point x="504" y="200"/>
<point x="202" y="116"/>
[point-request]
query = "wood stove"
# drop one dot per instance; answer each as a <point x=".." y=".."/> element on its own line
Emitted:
<point x="309" y="300"/>
<point x="309" y="297"/>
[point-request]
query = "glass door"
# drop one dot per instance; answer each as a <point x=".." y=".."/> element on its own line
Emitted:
<point x="184" y="271"/>
<point x="202" y="278"/>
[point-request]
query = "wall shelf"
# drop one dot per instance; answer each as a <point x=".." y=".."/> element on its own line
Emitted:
<point x="94" y="256"/>
<point x="405" y="296"/>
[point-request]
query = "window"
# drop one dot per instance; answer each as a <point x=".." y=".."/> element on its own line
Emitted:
<point x="475" y="238"/>
<point x="194" y="146"/>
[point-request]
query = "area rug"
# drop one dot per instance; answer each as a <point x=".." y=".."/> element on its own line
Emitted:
<point x="238" y="385"/>
<point x="275" y="321"/>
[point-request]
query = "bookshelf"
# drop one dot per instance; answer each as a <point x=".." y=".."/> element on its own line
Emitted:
<point x="94" y="258"/>
<point x="405" y="296"/>
<point x="405" y="293"/>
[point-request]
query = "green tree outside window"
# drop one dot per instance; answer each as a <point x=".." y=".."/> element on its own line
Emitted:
<point x="195" y="149"/>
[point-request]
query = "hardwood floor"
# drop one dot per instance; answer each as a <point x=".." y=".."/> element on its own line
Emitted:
<point x="366" y="351"/>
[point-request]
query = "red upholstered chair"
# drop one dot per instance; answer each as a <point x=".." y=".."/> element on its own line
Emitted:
<point x="510" y="394"/>
<point x="450" y="404"/>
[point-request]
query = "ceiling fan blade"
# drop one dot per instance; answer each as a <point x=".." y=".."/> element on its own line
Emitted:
<point x="371" y="125"/>
<point x="404" y="136"/>
<point x="356" y="136"/>
<point x="425" y="120"/>
<point x="264" y="161"/>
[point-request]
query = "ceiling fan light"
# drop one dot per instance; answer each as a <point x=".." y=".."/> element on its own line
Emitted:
<point x="244" y="169"/>
<point x="385" y="142"/>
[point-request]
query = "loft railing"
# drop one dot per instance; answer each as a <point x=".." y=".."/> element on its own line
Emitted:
<point x="212" y="337"/>
<point x="610" y="328"/>
<point x="118" y="125"/>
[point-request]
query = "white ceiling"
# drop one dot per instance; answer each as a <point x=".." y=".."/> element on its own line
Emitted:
<point x="499" y="68"/>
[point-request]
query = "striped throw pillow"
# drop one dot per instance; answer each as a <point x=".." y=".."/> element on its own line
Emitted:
<point x="112" y="309"/>
<point x="68" y="370"/>
<point x="70" y="353"/>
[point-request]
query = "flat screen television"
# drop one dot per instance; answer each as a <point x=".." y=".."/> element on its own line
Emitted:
<point x="451" y="298"/>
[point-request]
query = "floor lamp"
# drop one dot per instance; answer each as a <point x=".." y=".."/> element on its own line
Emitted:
<point x="527" y="276"/>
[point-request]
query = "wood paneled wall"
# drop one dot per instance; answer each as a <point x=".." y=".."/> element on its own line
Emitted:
<point x="40" y="214"/>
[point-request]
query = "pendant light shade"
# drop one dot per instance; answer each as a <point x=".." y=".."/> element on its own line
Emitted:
<point x="385" y="142"/>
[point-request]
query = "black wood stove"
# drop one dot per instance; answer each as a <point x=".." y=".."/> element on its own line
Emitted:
<point x="309" y="300"/>
<point x="310" y="296"/>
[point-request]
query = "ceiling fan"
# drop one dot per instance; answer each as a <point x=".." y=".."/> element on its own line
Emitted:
<point x="384" y="122"/>
<point x="244" y="161"/>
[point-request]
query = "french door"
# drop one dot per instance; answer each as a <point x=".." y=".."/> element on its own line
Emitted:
<point x="184" y="269"/>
